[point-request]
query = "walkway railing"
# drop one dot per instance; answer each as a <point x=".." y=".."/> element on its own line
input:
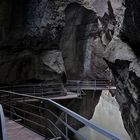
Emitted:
<point x="3" y="131"/>
<point x="44" y="115"/>
<point x="82" y="86"/>
<point x="60" y="89"/>
<point x="90" y="85"/>
<point x="40" y="90"/>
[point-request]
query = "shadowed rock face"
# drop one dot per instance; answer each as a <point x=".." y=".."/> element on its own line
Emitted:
<point x="31" y="28"/>
<point x="36" y="36"/>
<point x="122" y="55"/>
<point x="28" y="67"/>
<point x="26" y="55"/>
<point x="34" y="32"/>
<point x="81" y="44"/>
<point x="131" y="26"/>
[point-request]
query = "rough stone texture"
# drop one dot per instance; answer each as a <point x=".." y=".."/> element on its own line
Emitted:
<point x="81" y="29"/>
<point x="41" y="25"/>
<point x="29" y="67"/>
<point x="122" y="55"/>
<point x="34" y="32"/>
<point x="22" y="45"/>
<point x="82" y="46"/>
<point x="131" y="29"/>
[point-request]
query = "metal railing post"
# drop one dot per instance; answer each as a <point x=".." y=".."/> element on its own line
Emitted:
<point x="78" y="89"/>
<point x="34" y="90"/>
<point x="24" y="98"/>
<point x="42" y="90"/>
<point x="66" y="120"/>
<point x="95" y="85"/>
<point x="10" y="97"/>
<point x="67" y="113"/>
<point x="3" y="125"/>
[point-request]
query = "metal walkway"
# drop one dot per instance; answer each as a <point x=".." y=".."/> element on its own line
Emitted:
<point x="15" y="131"/>
<point x="40" y="117"/>
<point x="60" y="91"/>
<point x="89" y="85"/>
<point x="68" y="96"/>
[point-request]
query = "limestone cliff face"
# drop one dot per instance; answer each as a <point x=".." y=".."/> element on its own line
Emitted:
<point x="122" y="55"/>
<point x="28" y="28"/>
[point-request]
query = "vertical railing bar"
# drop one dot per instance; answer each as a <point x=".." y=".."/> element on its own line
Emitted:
<point x="58" y="130"/>
<point x="34" y="90"/>
<point x="95" y="85"/>
<point x="42" y="90"/>
<point x="66" y="120"/>
<point x="24" y="112"/>
<point x="68" y="126"/>
<point x="3" y="125"/>
<point x="52" y="133"/>
<point x="74" y="115"/>
<point x="10" y="106"/>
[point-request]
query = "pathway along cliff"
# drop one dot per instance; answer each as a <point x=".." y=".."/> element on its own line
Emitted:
<point x="44" y="40"/>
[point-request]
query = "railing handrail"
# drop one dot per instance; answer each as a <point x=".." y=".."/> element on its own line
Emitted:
<point x="59" y="83"/>
<point x="81" y="119"/>
<point x="3" y="126"/>
<point x="31" y="85"/>
<point x="69" y="83"/>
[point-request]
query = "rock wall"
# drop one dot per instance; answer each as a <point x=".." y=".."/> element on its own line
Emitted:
<point x="25" y="44"/>
<point x="46" y="41"/>
<point x="81" y="44"/>
<point x="76" y="32"/>
<point x="31" y="28"/>
<point x="122" y="55"/>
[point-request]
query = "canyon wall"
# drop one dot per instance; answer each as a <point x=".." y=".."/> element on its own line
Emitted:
<point x="44" y="40"/>
<point x="73" y="28"/>
<point x="122" y="55"/>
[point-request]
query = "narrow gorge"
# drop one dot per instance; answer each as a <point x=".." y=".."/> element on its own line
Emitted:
<point x="52" y="41"/>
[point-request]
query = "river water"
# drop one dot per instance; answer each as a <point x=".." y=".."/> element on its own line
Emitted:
<point x="108" y="116"/>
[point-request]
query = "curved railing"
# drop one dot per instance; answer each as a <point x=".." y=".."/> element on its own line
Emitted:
<point x="90" y="85"/>
<point x="12" y="106"/>
<point x="60" y="89"/>
<point x="3" y="131"/>
<point x="40" y="90"/>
